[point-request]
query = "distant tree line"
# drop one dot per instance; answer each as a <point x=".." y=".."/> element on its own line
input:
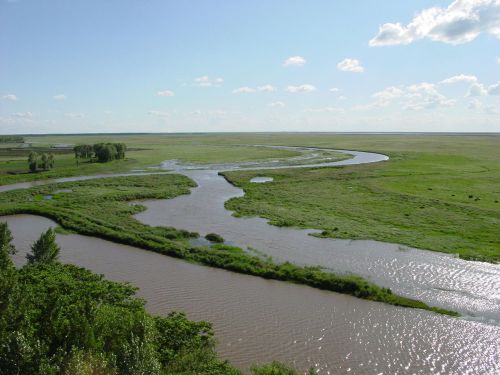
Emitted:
<point x="101" y="152"/>
<point x="11" y="139"/>
<point x="43" y="161"/>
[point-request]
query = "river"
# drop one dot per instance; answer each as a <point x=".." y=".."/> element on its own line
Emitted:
<point x="258" y="320"/>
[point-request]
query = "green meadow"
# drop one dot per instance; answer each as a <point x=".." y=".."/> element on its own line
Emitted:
<point x="102" y="208"/>
<point x="438" y="192"/>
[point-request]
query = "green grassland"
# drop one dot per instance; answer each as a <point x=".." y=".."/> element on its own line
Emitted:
<point x="102" y="208"/>
<point x="439" y="192"/>
<point x="148" y="151"/>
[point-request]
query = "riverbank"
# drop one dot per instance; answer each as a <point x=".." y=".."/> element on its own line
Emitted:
<point x="442" y="201"/>
<point x="101" y="208"/>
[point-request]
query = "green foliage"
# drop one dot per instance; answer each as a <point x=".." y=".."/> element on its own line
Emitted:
<point x="101" y="208"/>
<point x="83" y="151"/>
<point x="44" y="161"/>
<point x="214" y="237"/>
<point x="277" y="368"/>
<point x="33" y="161"/>
<point x="45" y="249"/>
<point x="64" y="319"/>
<point x="6" y="247"/>
<point x="103" y="152"/>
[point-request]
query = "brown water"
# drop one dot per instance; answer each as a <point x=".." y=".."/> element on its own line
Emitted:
<point x="472" y="288"/>
<point x="258" y="320"/>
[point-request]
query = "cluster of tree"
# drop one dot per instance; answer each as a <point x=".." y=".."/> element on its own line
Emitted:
<point x="43" y="161"/>
<point x="11" y="139"/>
<point x="61" y="319"/>
<point x="102" y="152"/>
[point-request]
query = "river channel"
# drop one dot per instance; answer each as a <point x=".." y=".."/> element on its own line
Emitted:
<point x="258" y="320"/>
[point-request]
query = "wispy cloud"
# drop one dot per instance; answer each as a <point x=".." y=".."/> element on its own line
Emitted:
<point x="276" y="104"/>
<point x="460" y="78"/>
<point x="160" y="114"/>
<point x="294" y="61"/>
<point x="75" y="115"/>
<point x="266" y="88"/>
<point x="59" y="97"/>
<point x="423" y="95"/>
<point x="334" y="89"/>
<point x="206" y="81"/>
<point x="24" y="115"/>
<point x="461" y="22"/>
<point x="243" y="90"/>
<point x="350" y="65"/>
<point x="248" y="90"/>
<point x="167" y="93"/>
<point x="10" y="97"/>
<point x="301" y="88"/>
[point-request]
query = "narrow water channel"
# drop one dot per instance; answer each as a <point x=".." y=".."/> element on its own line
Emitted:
<point x="259" y="320"/>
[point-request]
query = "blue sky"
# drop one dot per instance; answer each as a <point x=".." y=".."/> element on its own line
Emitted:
<point x="187" y="66"/>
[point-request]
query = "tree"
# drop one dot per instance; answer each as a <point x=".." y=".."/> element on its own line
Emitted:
<point x="33" y="161"/>
<point x="44" y="161"/>
<point x="6" y="247"/>
<point x="7" y="269"/>
<point x="120" y="150"/>
<point x="45" y="249"/>
<point x="51" y="160"/>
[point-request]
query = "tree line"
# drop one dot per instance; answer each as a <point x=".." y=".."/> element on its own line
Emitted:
<point x="62" y="319"/>
<point x="101" y="152"/>
<point x="44" y="161"/>
<point x="11" y="139"/>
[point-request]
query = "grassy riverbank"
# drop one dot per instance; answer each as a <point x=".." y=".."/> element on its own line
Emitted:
<point x="102" y="208"/>
<point x="436" y="192"/>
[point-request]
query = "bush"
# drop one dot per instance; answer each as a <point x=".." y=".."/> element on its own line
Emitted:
<point x="214" y="237"/>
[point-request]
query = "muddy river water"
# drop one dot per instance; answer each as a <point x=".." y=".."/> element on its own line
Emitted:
<point x="258" y="320"/>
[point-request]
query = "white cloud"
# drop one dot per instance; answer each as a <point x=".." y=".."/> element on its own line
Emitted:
<point x="243" y="90"/>
<point x="494" y="89"/>
<point x="10" y="97"/>
<point x="59" y="97"/>
<point x="324" y="109"/>
<point x="477" y="89"/>
<point x="350" y="65"/>
<point x="425" y="96"/>
<point x="301" y="88"/>
<point x="24" y="115"/>
<point x="166" y="93"/>
<point x="461" y="22"/>
<point x="475" y="104"/>
<point x="206" y="81"/>
<point x="419" y="96"/>
<point x="295" y="61"/>
<point x="266" y="88"/>
<point x="160" y="114"/>
<point x="248" y="90"/>
<point x="334" y="89"/>
<point x="342" y="97"/>
<point x="277" y="104"/>
<point x="498" y="60"/>
<point x="460" y="78"/>
<point x="388" y="93"/>
<point x="74" y="115"/>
